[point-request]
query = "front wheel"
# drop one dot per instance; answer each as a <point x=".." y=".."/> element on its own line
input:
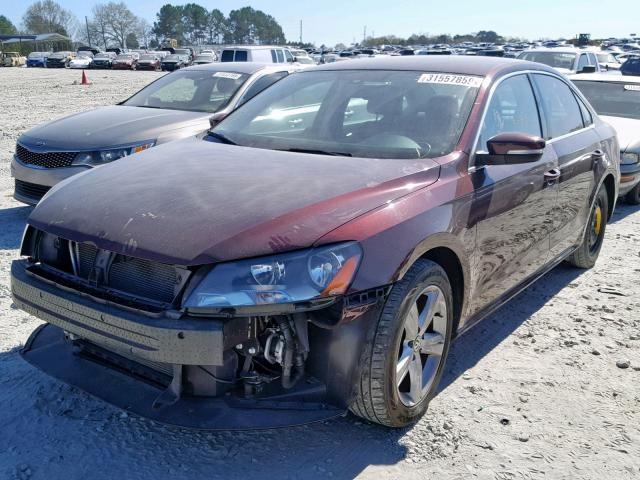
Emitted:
<point x="587" y="253"/>
<point x="403" y="363"/>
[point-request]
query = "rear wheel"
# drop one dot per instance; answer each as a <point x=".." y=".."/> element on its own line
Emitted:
<point x="403" y="363"/>
<point x="587" y="253"/>
<point x="633" y="197"/>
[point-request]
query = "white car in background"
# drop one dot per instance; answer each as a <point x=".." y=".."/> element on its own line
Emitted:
<point x="83" y="60"/>
<point x="566" y="60"/>
<point x="616" y="99"/>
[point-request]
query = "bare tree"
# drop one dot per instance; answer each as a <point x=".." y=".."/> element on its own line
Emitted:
<point x="47" y="16"/>
<point x="144" y="31"/>
<point x="113" y="22"/>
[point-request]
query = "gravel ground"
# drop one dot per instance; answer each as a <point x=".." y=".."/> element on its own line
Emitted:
<point x="548" y="387"/>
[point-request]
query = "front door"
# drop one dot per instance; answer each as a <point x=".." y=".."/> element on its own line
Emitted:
<point x="513" y="203"/>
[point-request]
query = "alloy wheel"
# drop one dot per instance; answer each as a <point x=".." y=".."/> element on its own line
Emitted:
<point x="421" y="348"/>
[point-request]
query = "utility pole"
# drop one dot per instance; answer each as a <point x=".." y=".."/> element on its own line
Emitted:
<point x="86" y="21"/>
<point x="300" y="32"/>
<point x="364" y="34"/>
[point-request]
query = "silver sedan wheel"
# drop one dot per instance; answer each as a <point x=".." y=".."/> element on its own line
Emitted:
<point x="421" y="348"/>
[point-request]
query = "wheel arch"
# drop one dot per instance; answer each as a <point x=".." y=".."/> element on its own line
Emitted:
<point x="610" y="186"/>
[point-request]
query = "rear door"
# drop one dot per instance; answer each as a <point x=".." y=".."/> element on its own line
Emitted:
<point x="568" y="129"/>
<point x="513" y="203"/>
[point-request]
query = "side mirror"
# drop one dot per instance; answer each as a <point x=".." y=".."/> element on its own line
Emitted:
<point x="513" y="148"/>
<point x="588" y="69"/>
<point x="216" y="118"/>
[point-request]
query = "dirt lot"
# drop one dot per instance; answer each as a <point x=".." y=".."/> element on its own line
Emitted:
<point x="548" y="387"/>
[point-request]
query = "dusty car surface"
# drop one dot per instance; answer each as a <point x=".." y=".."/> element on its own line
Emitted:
<point x="175" y="106"/>
<point x="321" y="246"/>
<point x="617" y="101"/>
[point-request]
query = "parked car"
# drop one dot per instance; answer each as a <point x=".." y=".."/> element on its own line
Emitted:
<point x="204" y="58"/>
<point x="125" y="61"/>
<point x="607" y="61"/>
<point x="302" y="57"/>
<point x="564" y="59"/>
<point x="257" y="53"/>
<point x="174" y="62"/>
<point x="631" y="66"/>
<point x="175" y="106"/>
<point x="83" y="60"/>
<point x="37" y="59"/>
<point x="14" y="59"/>
<point x="617" y="101"/>
<point x="296" y="262"/>
<point x="60" y="59"/>
<point x="103" y="60"/>
<point x="149" y="62"/>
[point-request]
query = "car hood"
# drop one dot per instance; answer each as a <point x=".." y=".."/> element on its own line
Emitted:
<point x="193" y="202"/>
<point x="628" y="131"/>
<point x="108" y="127"/>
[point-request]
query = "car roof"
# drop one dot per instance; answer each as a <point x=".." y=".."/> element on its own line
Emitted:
<point x="253" y="47"/>
<point x="461" y="64"/>
<point x="237" y="67"/>
<point x="558" y="50"/>
<point x="606" y="77"/>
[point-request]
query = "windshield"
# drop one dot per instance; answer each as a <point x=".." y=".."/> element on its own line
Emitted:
<point x="85" y="55"/>
<point x="124" y="57"/>
<point x="606" y="58"/>
<point x="196" y="91"/>
<point x="375" y="114"/>
<point x="615" y="99"/>
<point x="147" y="57"/>
<point x="552" y="59"/>
<point x="36" y="55"/>
<point x="172" y="58"/>
<point x="102" y="55"/>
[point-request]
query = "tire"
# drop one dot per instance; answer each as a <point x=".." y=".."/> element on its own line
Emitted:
<point x="379" y="397"/>
<point x="587" y="253"/>
<point x="633" y="197"/>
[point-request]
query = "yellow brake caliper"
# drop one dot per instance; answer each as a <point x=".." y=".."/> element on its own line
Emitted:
<point x="598" y="225"/>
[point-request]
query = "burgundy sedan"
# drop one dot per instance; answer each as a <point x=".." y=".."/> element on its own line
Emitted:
<point x="125" y="62"/>
<point x="149" y="62"/>
<point x="321" y="247"/>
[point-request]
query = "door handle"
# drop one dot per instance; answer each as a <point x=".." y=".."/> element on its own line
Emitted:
<point x="551" y="176"/>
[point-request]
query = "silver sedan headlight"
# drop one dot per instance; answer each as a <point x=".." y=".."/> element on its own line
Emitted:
<point x="629" y="158"/>
<point x="105" y="156"/>
<point x="290" y="277"/>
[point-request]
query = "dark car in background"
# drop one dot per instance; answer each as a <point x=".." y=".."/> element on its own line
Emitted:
<point x="60" y="59"/>
<point x="149" y="62"/>
<point x="174" y="62"/>
<point x="617" y="101"/>
<point x="103" y="60"/>
<point x="175" y="106"/>
<point x="319" y="248"/>
<point x="631" y="66"/>
<point x="125" y="61"/>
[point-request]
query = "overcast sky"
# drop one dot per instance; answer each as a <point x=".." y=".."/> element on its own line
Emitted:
<point x="333" y="21"/>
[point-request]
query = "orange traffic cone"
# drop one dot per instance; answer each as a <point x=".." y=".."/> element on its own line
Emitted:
<point x="84" y="79"/>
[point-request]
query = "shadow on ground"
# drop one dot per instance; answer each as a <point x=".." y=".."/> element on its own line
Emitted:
<point x="12" y="222"/>
<point x="623" y="210"/>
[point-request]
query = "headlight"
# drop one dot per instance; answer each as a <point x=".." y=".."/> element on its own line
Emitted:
<point x="106" y="156"/>
<point x="284" y="278"/>
<point x="629" y="158"/>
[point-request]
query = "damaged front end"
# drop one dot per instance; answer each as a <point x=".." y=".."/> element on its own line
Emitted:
<point x="251" y="344"/>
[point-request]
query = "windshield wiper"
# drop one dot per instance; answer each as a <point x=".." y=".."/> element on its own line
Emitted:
<point x="318" y="152"/>
<point x="221" y="137"/>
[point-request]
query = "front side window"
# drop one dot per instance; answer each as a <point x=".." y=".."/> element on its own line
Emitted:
<point x="512" y="109"/>
<point x="288" y="56"/>
<point x="196" y="91"/>
<point x="561" y="108"/>
<point x="360" y="113"/>
<point x="583" y="62"/>
<point x="261" y="84"/>
<point x="280" y="56"/>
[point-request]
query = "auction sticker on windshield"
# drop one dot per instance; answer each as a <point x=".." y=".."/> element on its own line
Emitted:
<point x="232" y="76"/>
<point x="450" y="79"/>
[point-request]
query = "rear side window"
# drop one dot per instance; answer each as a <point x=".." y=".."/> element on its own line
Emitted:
<point x="512" y="109"/>
<point x="260" y="84"/>
<point x="587" y="119"/>
<point x="560" y="106"/>
<point x="241" y="56"/>
<point x="274" y="58"/>
<point x="227" y="56"/>
<point x="280" y="56"/>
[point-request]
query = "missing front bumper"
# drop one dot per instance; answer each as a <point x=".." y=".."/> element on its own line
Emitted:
<point x="48" y="350"/>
